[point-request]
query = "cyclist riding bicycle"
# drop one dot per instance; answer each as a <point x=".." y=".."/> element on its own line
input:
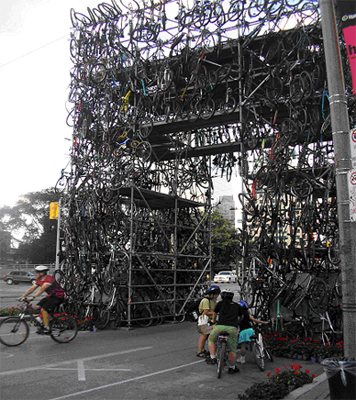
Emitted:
<point x="206" y="307"/>
<point x="55" y="295"/>
<point x="246" y="330"/>
<point x="229" y="313"/>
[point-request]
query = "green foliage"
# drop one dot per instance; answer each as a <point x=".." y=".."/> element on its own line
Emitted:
<point x="30" y="227"/>
<point x="306" y="348"/>
<point x="224" y="241"/>
<point x="279" y="385"/>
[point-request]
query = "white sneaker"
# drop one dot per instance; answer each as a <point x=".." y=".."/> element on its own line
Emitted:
<point x="241" y="359"/>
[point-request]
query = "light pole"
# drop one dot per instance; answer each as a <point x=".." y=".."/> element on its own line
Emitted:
<point x="342" y="147"/>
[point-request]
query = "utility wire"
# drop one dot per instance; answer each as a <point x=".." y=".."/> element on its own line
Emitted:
<point x="33" y="51"/>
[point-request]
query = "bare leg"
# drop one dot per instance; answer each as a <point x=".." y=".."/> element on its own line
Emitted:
<point x="45" y="318"/>
<point x="201" y="342"/>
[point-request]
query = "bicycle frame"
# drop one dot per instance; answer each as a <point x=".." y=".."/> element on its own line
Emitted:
<point x="221" y="352"/>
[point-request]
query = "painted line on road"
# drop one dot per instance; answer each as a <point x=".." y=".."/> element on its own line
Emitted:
<point x="81" y="370"/>
<point x="31" y="369"/>
<point x="90" y="369"/>
<point x="126" y="381"/>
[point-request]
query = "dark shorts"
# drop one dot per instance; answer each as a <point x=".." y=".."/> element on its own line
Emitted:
<point x="50" y="303"/>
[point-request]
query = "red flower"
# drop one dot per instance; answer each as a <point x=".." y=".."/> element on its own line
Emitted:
<point x="277" y="371"/>
<point x="268" y="374"/>
<point x="307" y="371"/>
<point x="296" y="372"/>
<point x="313" y="376"/>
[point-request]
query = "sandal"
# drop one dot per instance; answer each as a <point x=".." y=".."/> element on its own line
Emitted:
<point x="201" y="354"/>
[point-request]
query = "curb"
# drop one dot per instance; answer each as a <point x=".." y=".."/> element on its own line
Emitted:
<point x="301" y="392"/>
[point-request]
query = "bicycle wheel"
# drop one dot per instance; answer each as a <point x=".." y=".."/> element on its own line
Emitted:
<point x="258" y="356"/>
<point x="103" y="318"/>
<point x="13" y="331"/>
<point x="319" y="295"/>
<point x="247" y="292"/>
<point x="64" y="329"/>
<point x="220" y="359"/>
<point x="142" y="316"/>
<point x="207" y="109"/>
<point x="267" y="352"/>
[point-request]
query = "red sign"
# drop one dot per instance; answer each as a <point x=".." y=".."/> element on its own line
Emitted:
<point x="347" y="13"/>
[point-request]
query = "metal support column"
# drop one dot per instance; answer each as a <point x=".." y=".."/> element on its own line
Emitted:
<point x="341" y="137"/>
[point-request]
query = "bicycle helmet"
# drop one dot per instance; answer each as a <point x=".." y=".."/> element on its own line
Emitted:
<point x="212" y="290"/>
<point x="243" y="304"/>
<point x="227" y="293"/>
<point x="41" y="268"/>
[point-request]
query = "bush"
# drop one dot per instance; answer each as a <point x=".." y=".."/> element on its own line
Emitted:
<point x="307" y="348"/>
<point x="279" y="385"/>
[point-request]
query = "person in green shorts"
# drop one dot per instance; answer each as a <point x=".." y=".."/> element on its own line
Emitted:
<point x="229" y="314"/>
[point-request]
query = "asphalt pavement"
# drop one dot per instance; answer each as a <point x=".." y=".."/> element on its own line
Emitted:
<point x="153" y="363"/>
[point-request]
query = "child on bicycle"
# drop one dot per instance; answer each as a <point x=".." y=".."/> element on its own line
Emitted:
<point x="246" y="330"/>
<point x="229" y="313"/>
<point x="55" y="294"/>
<point x="206" y="307"/>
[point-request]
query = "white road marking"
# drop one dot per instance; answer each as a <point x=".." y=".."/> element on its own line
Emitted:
<point x="31" y="369"/>
<point x="81" y="370"/>
<point x="90" y="369"/>
<point x="6" y="355"/>
<point x="126" y="381"/>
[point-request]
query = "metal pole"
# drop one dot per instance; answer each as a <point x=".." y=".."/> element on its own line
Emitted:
<point x="342" y="147"/>
<point x="58" y="243"/>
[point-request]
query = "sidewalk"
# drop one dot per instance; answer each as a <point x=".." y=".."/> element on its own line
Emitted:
<point x="317" y="390"/>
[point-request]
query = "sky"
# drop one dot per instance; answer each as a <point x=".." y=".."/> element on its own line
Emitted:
<point x="34" y="78"/>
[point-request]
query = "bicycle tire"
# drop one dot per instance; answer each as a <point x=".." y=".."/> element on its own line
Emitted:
<point x="59" y="276"/>
<point x="220" y="359"/>
<point x="13" y="331"/>
<point x="248" y="293"/>
<point x="143" y="150"/>
<point x="98" y="73"/>
<point x="64" y="329"/>
<point x="145" y="126"/>
<point x="229" y="106"/>
<point x="258" y="356"/>
<point x="256" y="7"/>
<point x="142" y="316"/>
<point x="235" y="11"/>
<point x="319" y="295"/>
<point x="267" y="352"/>
<point x="103" y="318"/>
<point x="334" y="251"/>
<point x="223" y="72"/>
<point x="207" y="109"/>
<point x="61" y="185"/>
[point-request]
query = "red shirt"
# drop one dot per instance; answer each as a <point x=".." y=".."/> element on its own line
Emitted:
<point x="54" y="290"/>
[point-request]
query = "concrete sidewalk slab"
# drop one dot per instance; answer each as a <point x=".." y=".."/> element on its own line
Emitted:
<point x="317" y="390"/>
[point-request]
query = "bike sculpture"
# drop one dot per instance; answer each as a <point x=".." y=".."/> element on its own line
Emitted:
<point x="166" y="95"/>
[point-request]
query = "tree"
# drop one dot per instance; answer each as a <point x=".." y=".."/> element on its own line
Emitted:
<point x="225" y="242"/>
<point x="30" y="227"/>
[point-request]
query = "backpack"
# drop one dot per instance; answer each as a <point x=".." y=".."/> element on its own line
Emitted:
<point x="193" y="310"/>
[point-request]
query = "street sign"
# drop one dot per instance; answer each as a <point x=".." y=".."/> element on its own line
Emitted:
<point x="351" y="179"/>
<point x="353" y="147"/>
<point x="53" y="210"/>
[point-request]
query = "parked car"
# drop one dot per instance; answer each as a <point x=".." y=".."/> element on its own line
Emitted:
<point x="15" y="277"/>
<point x="225" y="277"/>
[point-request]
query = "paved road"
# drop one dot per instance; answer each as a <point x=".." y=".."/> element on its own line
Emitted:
<point x="9" y="293"/>
<point x="153" y="363"/>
